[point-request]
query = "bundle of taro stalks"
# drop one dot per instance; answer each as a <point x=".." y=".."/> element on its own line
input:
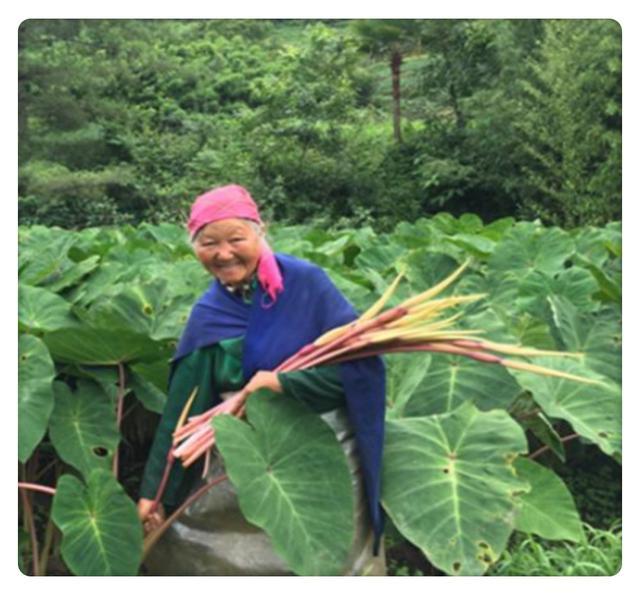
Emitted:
<point x="414" y="325"/>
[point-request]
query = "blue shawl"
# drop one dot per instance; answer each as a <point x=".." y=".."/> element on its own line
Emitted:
<point x="309" y="306"/>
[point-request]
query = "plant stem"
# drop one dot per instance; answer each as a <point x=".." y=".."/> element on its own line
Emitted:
<point x="120" y="398"/>
<point x="545" y="448"/>
<point x="36" y="487"/>
<point x="152" y="538"/>
<point x="26" y="505"/>
<point x="163" y="482"/>
<point x="51" y="529"/>
<point x="48" y="538"/>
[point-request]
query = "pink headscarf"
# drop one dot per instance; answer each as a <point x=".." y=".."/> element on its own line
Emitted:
<point x="233" y="201"/>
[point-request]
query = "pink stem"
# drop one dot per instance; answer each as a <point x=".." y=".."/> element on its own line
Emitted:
<point x="542" y="449"/>
<point x="434" y="347"/>
<point x="37" y="488"/>
<point x="152" y="538"/>
<point x="388" y="316"/>
<point x="309" y="348"/>
<point x="163" y="482"/>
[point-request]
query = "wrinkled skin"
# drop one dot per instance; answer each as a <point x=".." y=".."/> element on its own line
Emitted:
<point x="229" y="250"/>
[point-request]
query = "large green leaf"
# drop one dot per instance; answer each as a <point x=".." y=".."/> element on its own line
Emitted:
<point x="43" y="255"/>
<point x="73" y="273"/>
<point x="593" y="410"/>
<point x="598" y="337"/>
<point x="292" y="481"/>
<point x="575" y="284"/>
<point x="474" y="244"/>
<point x="147" y="393"/>
<point x="528" y="247"/>
<point x="449" y="485"/>
<point x="151" y="309"/>
<point x="380" y="257"/>
<point x="42" y="310"/>
<point x="548" y="509"/>
<point x="405" y="372"/>
<point x="83" y="426"/>
<point x="609" y="280"/>
<point x="101" y="533"/>
<point x="156" y="372"/>
<point x="448" y="381"/>
<point x="426" y="268"/>
<point x="35" y="393"/>
<point x="103" y="347"/>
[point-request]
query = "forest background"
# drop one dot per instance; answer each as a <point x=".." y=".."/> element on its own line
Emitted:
<point x="336" y="122"/>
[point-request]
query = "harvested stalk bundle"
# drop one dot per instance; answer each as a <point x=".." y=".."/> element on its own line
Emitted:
<point x="411" y="326"/>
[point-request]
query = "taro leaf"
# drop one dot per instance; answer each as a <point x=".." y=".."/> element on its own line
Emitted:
<point x="496" y="229"/>
<point x="107" y="275"/>
<point x="335" y="247"/>
<point x="290" y="239"/>
<point x="42" y="310"/>
<point x="575" y="284"/>
<point x="103" y="347"/>
<point x="381" y="257"/>
<point x="147" y="393"/>
<point x="449" y="485"/>
<point x="167" y="234"/>
<point x="107" y="377"/>
<point x="548" y="510"/>
<point x="446" y="223"/>
<point x="532" y="332"/>
<point x="43" y="255"/>
<point x="35" y="393"/>
<point x="405" y="372"/>
<point x="599" y="338"/>
<point x="292" y="481"/>
<point x="451" y="380"/>
<point x="358" y="295"/>
<point x="71" y="275"/>
<point x="426" y="269"/>
<point x="416" y="235"/>
<point x="148" y="309"/>
<point x="474" y="244"/>
<point x="593" y="410"/>
<point x="156" y="372"/>
<point x="542" y="429"/>
<point x="83" y="427"/>
<point x="500" y="292"/>
<point x="101" y="533"/>
<point x="610" y="285"/>
<point x="470" y="223"/>
<point x="528" y="247"/>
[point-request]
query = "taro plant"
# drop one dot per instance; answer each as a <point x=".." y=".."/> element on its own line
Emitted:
<point x="100" y="311"/>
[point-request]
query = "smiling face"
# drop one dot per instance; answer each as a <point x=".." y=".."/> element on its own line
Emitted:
<point x="229" y="249"/>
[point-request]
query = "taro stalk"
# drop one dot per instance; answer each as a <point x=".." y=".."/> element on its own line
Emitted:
<point x="413" y="325"/>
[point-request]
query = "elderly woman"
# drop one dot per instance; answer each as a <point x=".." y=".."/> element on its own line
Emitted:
<point x="260" y="309"/>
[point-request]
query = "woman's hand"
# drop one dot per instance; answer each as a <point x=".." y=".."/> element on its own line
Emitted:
<point x="263" y="379"/>
<point x="150" y="520"/>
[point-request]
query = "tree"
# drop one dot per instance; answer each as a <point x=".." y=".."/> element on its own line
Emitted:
<point x="393" y="38"/>
<point x="570" y="125"/>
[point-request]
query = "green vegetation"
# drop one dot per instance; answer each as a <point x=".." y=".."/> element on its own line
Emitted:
<point x="599" y="554"/>
<point x="100" y="311"/>
<point x="371" y="147"/>
<point x="126" y="121"/>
